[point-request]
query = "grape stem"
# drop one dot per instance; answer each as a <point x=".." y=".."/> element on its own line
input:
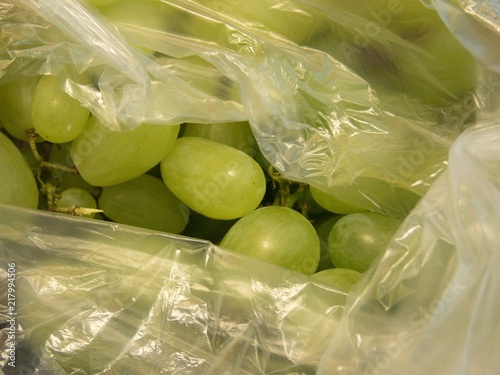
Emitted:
<point x="284" y="196"/>
<point x="32" y="138"/>
<point x="75" y="210"/>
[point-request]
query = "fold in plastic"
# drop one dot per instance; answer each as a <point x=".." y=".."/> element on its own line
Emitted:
<point x="314" y="117"/>
<point x="93" y="297"/>
<point x="430" y="304"/>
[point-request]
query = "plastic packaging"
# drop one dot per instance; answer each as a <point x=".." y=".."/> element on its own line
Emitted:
<point x="306" y="99"/>
<point x="92" y="297"/>
<point x="428" y="305"/>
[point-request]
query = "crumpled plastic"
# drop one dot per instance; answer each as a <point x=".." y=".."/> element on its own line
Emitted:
<point x="93" y="297"/>
<point x="428" y="304"/>
<point x="315" y="118"/>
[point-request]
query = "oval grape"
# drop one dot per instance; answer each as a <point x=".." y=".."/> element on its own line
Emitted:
<point x="357" y="239"/>
<point x="278" y="235"/>
<point x="213" y="179"/>
<point x="144" y="202"/>
<point x="105" y="157"/>
<point x="56" y="116"/>
<point x="17" y="183"/>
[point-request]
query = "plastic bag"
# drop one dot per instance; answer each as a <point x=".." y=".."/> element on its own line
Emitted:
<point x="430" y="304"/>
<point x="92" y="297"/>
<point x="215" y="63"/>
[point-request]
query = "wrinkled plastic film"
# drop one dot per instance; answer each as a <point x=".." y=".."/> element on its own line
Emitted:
<point x="95" y="297"/>
<point x="297" y="89"/>
<point x="429" y="304"/>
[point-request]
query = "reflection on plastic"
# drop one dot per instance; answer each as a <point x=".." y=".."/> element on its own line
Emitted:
<point x="430" y="305"/>
<point x="95" y="297"/>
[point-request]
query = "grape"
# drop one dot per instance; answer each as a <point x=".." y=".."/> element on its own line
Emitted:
<point x="367" y="194"/>
<point x="213" y="179"/>
<point x="144" y="202"/>
<point x="77" y="197"/>
<point x="235" y="134"/>
<point x="357" y="239"/>
<point x="105" y="157"/>
<point x="60" y="154"/>
<point x="15" y="106"/>
<point x="56" y="116"/>
<point x="341" y="278"/>
<point x="17" y="183"/>
<point x="277" y="235"/>
<point x="329" y="201"/>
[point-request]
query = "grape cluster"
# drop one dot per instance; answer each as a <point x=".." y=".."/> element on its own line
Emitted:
<point x="208" y="181"/>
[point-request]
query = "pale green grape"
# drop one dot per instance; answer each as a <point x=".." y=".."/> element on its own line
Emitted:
<point x="329" y="201"/>
<point x="105" y="157"/>
<point x="235" y="134"/>
<point x="17" y="184"/>
<point x="367" y="194"/>
<point x="278" y="235"/>
<point x="144" y="202"/>
<point x="401" y="47"/>
<point x="60" y="154"/>
<point x="213" y="179"/>
<point x="357" y="239"/>
<point x="56" y="116"/>
<point x="341" y="278"/>
<point x="77" y="197"/>
<point x="15" y="105"/>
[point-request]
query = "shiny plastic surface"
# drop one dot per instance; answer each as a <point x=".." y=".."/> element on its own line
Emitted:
<point x="215" y="61"/>
<point x="92" y="297"/>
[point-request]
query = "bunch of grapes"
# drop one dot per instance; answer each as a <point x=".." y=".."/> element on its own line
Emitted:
<point x="208" y="181"/>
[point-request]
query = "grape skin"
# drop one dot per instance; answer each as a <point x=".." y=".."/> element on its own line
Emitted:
<point x="105" y="157"/>
<point x="278" y="235"/>
<point x="144" y="202"/>
<point x="17" y="183"/>
<point x="213" y="179"/>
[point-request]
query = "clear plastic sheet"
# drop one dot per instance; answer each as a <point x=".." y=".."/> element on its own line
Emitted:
<point x="428" y="305"/>
<point x="213" y="63"/>
<point x="92" y="297"/>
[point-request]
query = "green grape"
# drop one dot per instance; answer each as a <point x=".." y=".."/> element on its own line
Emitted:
<point x="105" y="157"/>
<point x="77" y="197"/>
<point x="235" y="134"/>
<point x="278" y="235"/>
<point x="17" y="184"/>
<point x="357" y="239"/>
<point x="56" y="116"/>
<point x="367" y="194"/>
<point x="213" y="179"/>
<point x="60" y="154"/>
<point x="329" y="201"/>
<point x="15" y="106"/>
<point x="144" y="202"/>
<point x="341" y="278"/>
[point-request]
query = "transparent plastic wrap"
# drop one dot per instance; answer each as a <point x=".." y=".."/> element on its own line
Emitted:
<point x="91" y="297"/>
<point x="430" y="304"/>
<point x="338" y="97"/>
